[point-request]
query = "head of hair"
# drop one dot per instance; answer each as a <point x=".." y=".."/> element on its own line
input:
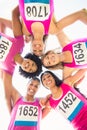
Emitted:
<point x="57" y="80"/>
<point x="38" y="62"/>
<point x="34" y="78"/>
<point x="57" y="66"/>
<point x="44" y="43"/>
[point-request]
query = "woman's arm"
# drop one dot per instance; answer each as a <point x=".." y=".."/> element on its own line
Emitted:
<point x="63" y="38"/>
<point x="80" y="15"/>
<point x="46" y="110"/>
<point x="16" y="23"/>
<point x="5" y="23"/>
<point x="44" y="102"/>
<point x="15" y="95"/>
<point x="67" y="71"/>
<point x="11" y="94"/>
<point x="71" y="80"/>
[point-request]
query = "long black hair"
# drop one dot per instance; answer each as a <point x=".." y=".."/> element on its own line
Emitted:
<point x="57" y="80"/>
<point x="38" y="62"/>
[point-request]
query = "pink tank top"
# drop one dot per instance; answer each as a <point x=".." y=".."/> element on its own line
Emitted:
<point x="78" y="49"/>
<point x="36" y="11"/>
<point x="9" y="47"/>
<point x="25" y="115"/>
<point x="69" y="104"/>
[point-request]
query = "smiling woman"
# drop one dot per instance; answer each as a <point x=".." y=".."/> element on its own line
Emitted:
<point x="77" y="30"/>
<point x="65" y="99"/>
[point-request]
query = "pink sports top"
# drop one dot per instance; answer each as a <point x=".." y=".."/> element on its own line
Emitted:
<point x="36" y="11"/>
<point x="9" y="47"/>
<point x="78" y="49"/>
<point x="25" y="115"/>
<point x="70" y="104"/>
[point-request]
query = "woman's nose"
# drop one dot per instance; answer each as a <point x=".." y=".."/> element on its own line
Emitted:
<point x="37" y="46"/>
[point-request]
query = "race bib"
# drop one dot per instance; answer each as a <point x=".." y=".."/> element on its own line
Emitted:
<point x="37" y="11"/>
<point x="27" y="115"/>
<point x="80" y="53"/>
<point x="5" y="46"/>
<point x="69" y="106"/>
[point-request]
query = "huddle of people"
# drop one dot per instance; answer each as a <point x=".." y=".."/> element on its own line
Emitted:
<point x="32" y="22"/>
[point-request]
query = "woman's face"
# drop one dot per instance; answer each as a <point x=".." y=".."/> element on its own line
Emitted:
<point x="29" y="66"/>
<point x="50" y="59"/>
<point x="32" y="87"/>
<point x="48" y="80"/>
<point x="38" y="47"/>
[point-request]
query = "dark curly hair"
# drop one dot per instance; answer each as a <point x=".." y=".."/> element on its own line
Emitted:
<point x="38" y="62"/>
<point x="57" y="80"/>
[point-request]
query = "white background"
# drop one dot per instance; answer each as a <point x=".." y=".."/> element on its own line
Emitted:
<point x="78" y="29"/>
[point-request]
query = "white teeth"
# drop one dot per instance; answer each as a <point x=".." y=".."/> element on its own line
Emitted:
<point x="31" y="90"/>
<point x="48" y="82"/>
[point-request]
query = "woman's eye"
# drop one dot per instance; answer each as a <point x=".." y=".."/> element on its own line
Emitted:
<point x="36" y="86"/>
<point x="31" y="84"/>
<point x="25" y="67"/>
<point x="48" y="63"/>
<point x="43" y="79"/>
<point x="30" y="70"/>
<point x="47" y="57"/>
<point x="33" y="64"/>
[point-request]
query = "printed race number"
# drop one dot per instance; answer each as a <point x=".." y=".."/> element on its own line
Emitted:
<point x="27" y="112"/>
<point x="31" y="111"/>
<point x="36" y="11"/>
<point x="80" y="53"/>
<point x="67" y="102"/>
<point x="5" y="46"/>
<point x="68" y="105"/>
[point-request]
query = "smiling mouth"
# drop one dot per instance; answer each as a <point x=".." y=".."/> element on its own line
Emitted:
<point x="31" y="91"/>
<point x="49" y="82"/>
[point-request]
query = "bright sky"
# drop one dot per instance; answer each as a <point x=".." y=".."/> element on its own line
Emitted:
<point x="62" y="8"/>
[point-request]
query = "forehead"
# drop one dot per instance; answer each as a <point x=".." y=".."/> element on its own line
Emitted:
<point x="30" y="60"/>
<point x="46" y="74"/>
